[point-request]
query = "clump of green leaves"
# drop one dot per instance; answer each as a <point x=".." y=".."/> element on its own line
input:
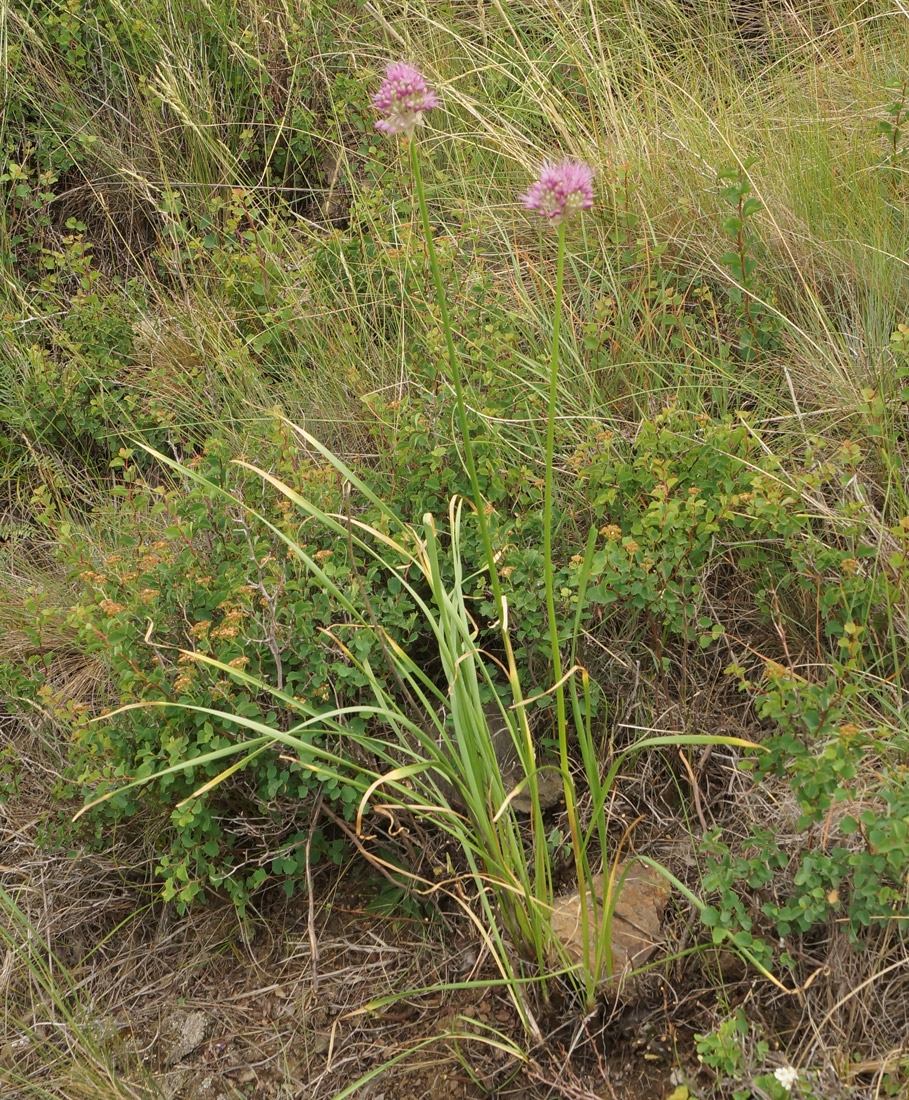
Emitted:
<point x="858" y="866"/>
<point x="699" y="499"/>
<point x="65" y="387"/>
<point x="893" y="127"/>
<point x="758" y="323"/>
<point x="190" y="592"/>
<point x="724" y="1048"/>
<point x="738" y="1054"/>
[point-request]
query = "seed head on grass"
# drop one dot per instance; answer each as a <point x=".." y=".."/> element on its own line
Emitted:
<point x="564" y="189"/>
<point x="403" y="98"/>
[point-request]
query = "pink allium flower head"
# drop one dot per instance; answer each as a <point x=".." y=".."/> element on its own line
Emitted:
<point x="564" y="189"/>
<point x="403" y="97"/>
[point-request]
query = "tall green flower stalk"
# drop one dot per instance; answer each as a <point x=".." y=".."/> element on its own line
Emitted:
<point x="403" y="99"/>
<point x="562" y="191"/>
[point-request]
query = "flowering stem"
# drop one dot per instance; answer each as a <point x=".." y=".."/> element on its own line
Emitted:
<point x="547" y="498"/>
<point x="561" y="720"/>
<point x="542" y="870"/>
<point x="456" y="379"/>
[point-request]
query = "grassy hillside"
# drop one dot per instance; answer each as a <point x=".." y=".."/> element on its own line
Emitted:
<point x="229" y="628"/>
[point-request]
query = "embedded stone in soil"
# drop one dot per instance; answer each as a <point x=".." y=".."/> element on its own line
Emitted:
<point x="636" y="924"/>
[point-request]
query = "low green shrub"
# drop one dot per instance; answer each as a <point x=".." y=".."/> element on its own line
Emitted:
<point x="190" y="572"/>
<point x="740" y="1057"/>
<point x="853" y="801"/>
<point x="64" y="379"/>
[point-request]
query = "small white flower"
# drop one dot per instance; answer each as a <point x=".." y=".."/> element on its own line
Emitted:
<point x="787" y="1076"/>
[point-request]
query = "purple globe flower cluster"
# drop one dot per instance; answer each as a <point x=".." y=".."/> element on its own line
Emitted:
<point x="403" y="97"/>
<point x="564" y="188"/>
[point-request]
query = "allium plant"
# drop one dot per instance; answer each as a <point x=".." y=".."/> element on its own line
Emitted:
<point x="476" y="754"/>
<point x="561" y="192"/>
<point x="418" y="764"/>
